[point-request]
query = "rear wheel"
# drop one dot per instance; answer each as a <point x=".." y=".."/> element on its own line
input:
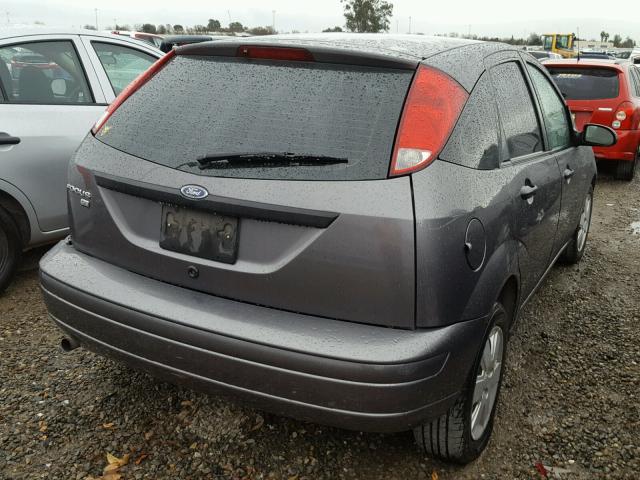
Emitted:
<point x="461" y="434"/>
<point x="578" y="243"/>
<point x="10" y="248"/>
<point x="625" y="169"/>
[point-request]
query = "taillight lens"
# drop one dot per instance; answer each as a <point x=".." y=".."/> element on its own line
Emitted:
<point x="275" y="53"/>
<point x="624" y="116"/>
<point x="130" y="89"/>
<point x="430" y="112"/>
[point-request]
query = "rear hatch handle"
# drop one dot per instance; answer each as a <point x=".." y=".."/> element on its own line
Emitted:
<point x="221" y="205"/>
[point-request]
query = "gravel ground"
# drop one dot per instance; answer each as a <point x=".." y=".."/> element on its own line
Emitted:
<point x="569" y="401"/>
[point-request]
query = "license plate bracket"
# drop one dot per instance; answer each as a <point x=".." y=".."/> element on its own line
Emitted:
<point x="199" y="233"/>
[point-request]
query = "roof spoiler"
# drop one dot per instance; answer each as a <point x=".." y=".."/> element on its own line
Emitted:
<point x="319" y="53"/>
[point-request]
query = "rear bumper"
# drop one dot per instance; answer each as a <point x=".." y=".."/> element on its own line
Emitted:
<point x="625" y="148"/>
<point x="332" y="372"/>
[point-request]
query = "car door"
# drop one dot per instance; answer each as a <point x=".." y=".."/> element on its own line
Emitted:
<point x="117" y="62"/>
<point x="534" y="186"/>
<point x="50" y="100"/>
<point x="575" y="163"/>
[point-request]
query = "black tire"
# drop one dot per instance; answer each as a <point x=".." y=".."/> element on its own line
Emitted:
<point x="449" y="437"/>
<point x="575" y="250"/>
<point x="10" y="248"/>
<point x="625" y="170"/>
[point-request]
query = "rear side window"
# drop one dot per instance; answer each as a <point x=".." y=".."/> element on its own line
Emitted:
<point x="474" y="141"/>
<point x="586" y="83"/>
<point x="207" y="106"/>
<point x="517" y="113"/>
<point x="47" y="73"/>
<point x="555" y="116"/>
<point x="121" y="64"/>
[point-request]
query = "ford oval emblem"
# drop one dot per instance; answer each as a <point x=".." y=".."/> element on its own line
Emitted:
<point x="194" y="191"/>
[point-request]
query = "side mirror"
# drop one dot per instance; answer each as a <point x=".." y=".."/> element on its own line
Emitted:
<point x="59" y="87"/>
<point x="598" y="136"/>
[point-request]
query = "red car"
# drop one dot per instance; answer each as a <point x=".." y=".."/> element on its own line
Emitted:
<point x="607" y="93"/>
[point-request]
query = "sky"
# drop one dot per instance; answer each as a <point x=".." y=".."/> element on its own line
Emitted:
<point x="490" y="17"/>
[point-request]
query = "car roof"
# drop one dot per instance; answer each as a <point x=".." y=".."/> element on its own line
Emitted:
<point x="17" y="32"/>
<point x="460" y="58"/>
<point x="402" y="46"/>
<point x="173" y="38"/>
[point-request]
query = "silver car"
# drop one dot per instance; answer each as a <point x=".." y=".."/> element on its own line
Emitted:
<point x="54" y="85"/>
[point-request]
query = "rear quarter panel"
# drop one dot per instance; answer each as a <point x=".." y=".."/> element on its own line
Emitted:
<point x="447" y="196"/>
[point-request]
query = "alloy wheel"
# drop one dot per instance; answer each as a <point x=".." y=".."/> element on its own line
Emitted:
<point x="585" y="220"/>
<point x="4" y="251"/>
<point x="487" y="382"/>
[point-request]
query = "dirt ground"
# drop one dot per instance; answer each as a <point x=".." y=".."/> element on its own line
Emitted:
<point x="569" y="401"/>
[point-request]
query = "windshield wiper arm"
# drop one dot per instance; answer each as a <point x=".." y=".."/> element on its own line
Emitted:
<point x="265" y="159"/>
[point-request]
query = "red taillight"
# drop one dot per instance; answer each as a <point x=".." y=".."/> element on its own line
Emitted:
<point x="624" y="117"/>
<point x="430" y="112"/>
<point x="130" y="89"/>
<point x="275" y="53"/>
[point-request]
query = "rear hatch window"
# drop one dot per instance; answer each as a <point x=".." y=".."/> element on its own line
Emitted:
<point x="341" y="120"/>
<point x="586" y="83"/>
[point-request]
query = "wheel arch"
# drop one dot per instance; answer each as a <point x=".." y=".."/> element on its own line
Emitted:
<point x="508" y="297"/>
<point x="500" y="276"/>
<point x="19" y="215"/>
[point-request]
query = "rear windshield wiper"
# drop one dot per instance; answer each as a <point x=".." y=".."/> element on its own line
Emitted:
<point x="264" y="159"/>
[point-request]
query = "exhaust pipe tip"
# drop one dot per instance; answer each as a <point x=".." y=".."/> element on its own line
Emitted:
<point x="68" y="343"/>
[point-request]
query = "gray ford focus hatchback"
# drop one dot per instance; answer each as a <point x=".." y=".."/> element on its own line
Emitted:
<point x="337" y="228"/>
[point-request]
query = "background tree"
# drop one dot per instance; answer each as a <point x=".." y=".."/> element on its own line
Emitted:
<point x="268" y="30"/>
<point x="213" y="25"/>
<point x="148" y="28"/>
<point x="628" y="43"/>
<point x="236" y="27"/>
<point x="161" y="29"/>
<point x="334" y="29"/>
<point x="534" y="39"/>
<point x="178" y="28"/>
<point x="617" y="40"/>
<point x="367" y="15"/>
<point x="89" y="27"/>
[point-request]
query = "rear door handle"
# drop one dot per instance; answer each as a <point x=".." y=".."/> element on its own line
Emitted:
<point x="528" y="191"/>
<point x="6" y="139"/>
<point x="568" y="173"/>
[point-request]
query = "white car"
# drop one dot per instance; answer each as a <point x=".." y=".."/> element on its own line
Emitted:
<point x="54" y="85"/>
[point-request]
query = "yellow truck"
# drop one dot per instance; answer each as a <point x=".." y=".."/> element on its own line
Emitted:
<point x="561" y="43"/>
